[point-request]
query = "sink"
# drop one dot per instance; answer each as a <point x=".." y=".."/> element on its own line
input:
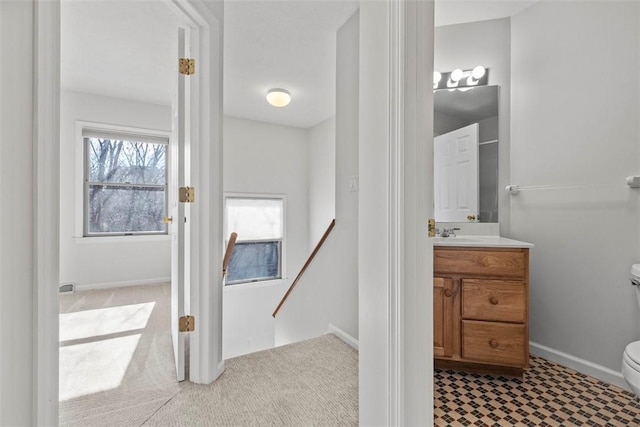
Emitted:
<point x="458" y="239"/>
<point x="480" y="241"/>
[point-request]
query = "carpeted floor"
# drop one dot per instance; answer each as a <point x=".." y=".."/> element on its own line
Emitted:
<point x="116" y="357"/>
<point x="117" y="369"/>
<point x="313" y="382"/>
<point x="548" y="395"/>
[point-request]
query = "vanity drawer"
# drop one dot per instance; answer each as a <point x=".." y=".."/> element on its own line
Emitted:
<point x="496" y="300"/>
<point x="496" y="343"/>
<point x="511" y="263"/>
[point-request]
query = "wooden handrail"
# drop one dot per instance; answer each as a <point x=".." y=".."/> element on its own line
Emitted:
<point x="306" y="264"/>
<point x="227" y="254"/>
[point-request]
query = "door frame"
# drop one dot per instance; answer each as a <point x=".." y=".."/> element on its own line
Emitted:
<point x="400" y="302"/>
<point x="206" y="362"/>
<point x="395" y="261"/>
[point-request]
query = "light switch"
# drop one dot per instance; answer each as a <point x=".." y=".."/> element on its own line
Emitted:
<point x="353" y="183"/>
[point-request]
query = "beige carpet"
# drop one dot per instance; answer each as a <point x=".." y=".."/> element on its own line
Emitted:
<point x="116" y="357"/>
<point x="117" y="369"/>
<point x="309" y="383"/>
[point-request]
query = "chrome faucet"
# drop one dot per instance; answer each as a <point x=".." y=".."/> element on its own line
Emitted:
<point x="449" y="232"/>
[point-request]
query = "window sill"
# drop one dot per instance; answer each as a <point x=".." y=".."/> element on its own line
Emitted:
<point x="250" y="285"/>
<point x="122" y="239"/>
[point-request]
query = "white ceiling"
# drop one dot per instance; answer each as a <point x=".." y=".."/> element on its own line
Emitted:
<point x="288" y="44"/>
<point x="449" y="12"/>
<point x="126" y="49"/>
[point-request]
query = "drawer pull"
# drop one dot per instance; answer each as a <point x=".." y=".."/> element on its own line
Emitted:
<point x="493" y="343"/>
<point x="448" y="292"/>
<point x="493" y="300"/>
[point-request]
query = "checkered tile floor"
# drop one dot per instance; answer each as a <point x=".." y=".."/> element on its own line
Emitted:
<point x="548" y="395"/>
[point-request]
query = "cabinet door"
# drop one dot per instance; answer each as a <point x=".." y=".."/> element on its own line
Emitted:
<point x="442" y="316"/>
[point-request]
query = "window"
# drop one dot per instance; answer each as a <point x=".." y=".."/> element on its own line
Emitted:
<point x="259" y="222"/>
<point x="125" y="183"/>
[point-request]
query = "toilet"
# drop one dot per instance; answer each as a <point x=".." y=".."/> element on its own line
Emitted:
<point x="631" y="356"/>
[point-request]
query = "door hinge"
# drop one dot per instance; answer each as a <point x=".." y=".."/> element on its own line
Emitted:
<point x="432" y="227"/>
<point x="187" y="195"/>
<point x="187" y="324"/>
<point x="187" y="66"/>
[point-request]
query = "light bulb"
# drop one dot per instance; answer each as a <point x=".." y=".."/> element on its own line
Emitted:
<point x="457" y="74"/>
<point x="436" y="77"/>
<point x="478" y="72"/>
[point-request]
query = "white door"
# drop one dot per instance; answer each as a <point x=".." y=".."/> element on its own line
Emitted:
<point x="455" y="164"/>
<point x="179" y="225"/>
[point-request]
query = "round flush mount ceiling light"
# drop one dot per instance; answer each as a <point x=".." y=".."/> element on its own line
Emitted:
<point x="278" y="97"/>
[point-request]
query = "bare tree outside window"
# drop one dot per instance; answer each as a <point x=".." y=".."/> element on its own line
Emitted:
<point x="125" y="186"/>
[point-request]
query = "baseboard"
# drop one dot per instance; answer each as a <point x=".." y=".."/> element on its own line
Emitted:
<point x="583" y="366"/>
<point x="111" y="285"/>
<point x="343" y="336"/>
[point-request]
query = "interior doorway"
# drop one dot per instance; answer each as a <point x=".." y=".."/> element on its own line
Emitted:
<point x="118" y="90"/>
<point x="289" y="155"/>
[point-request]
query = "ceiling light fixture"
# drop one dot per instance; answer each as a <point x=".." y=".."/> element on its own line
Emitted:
<point x="278" y="97"/>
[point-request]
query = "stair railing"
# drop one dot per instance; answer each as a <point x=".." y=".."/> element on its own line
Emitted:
<point x="306" y="264"/>
<point x="228" y="252"/>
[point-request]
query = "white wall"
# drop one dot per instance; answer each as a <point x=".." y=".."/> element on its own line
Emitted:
<point x="107" y="260"/>
<point x="484" y="43"/>
<point x="575" y="100"/>
<point x="322" y="178"/>
<point x="17" y="263"/>
<point x="328" y="292"/>
<point x="269" y="159"/>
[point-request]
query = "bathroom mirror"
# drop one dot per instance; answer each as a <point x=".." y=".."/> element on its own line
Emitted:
<point x="466" y="154"/>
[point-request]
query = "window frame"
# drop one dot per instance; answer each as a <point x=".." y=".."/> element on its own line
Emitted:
<point x="282" y="240"/>
<point x="127" y="134"/>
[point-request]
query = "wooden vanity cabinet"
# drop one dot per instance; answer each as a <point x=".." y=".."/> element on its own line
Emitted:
<point x="480" y="305"/>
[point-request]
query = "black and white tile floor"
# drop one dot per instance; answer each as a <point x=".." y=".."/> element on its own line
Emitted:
<point x="548" y="395"/>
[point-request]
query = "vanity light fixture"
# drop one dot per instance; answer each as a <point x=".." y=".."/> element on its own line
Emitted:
<point x="458" y="78"/>
<point x="278" y="97"/>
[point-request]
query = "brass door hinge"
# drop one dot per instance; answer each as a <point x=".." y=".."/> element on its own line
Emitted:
<point x="187" y="324"/>
<point x="187" y="66"/>
<point x="187" y="195"/>
<point x="432" y="227"/>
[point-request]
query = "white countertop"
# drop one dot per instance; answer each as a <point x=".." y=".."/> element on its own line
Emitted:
<point x="480" y="242"/>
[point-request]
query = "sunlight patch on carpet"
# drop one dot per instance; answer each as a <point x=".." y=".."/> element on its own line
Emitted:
<point x="95" y="366"/>
<point x="104" y="321"/>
